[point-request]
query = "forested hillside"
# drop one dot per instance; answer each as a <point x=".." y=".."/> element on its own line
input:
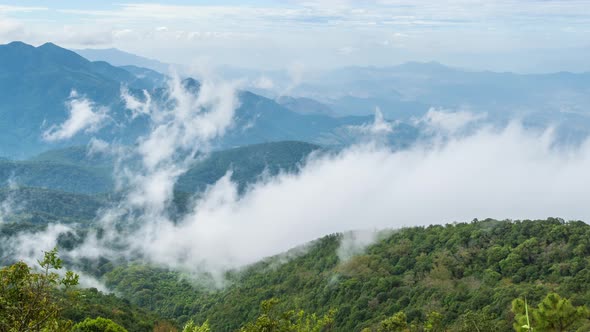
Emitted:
<point x="464" y="272"/>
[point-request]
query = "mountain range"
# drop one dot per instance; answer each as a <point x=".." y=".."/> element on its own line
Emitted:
<point x="37" y="81"/>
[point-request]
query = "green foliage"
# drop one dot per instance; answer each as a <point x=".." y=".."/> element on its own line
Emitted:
<point x="434" y="322"/>
<point x="247" y="164"/>
<point x="522" y="316"/>
<point x="558" y="314"/>
<point x="27" y="299"/>
<point x="62" y="177"/>
<point x="43" y="206"/>
<point x="553" y="313"/>
<point x="395" y="323"/>
<point x="461" y="271"/>
<point x="75" y="171"/>
<point x="475" y="321"/>
<point x="192" y="327"/>
<point x="271" y="320"/>
<point x="98" y="324"/>
<point x="92" y="303"/>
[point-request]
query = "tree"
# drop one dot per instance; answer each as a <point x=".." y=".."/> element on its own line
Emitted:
<point x="434" y="322"/>
<point x="476" y="321"/>
<point x="192" y="327"/>
<point x="270" y="320"/>
<point x="522" y="316"/>
<point x="558" y="314"/>
<point x="27" y="299"/>
<point x="395" y="323"/>
<point x="554" y="313"/>
<point x="98" y="324"/>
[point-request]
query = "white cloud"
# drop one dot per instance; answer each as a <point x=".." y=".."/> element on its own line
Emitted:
<point x="30" y="248"/>
<point x="136" y="106"/>
<point x="9" y="205"/>
<point x="20" y="9"/>
<point x="84" y="116"/>
<point x="10" y="29"/>
<point x="379" y="127"/>
<point x="83" y="36"/>
<point x="347" y="50"/>
<point x="273" y="33"/>
<point x="507" y="173"/>
<point x="503" y="174"/>
<point x="355" y="242"/>
<point x="264" y="83"/>
<point x="448" y="122"/>
<point x="97" y="146"/>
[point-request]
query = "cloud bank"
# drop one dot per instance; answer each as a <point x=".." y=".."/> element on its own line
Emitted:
<point x="508" y="172"/>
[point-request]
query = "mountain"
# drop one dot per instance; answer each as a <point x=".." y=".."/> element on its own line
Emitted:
<point x="156" y="78"/>
<point x="409" y="89"/>
<point x="36" y="82"/>
<point x="303" y="105"/>
<point x="247" y="164"/>
<point x="57" y="176"/>
<point x="119" y="58"/>
<point x="43" y="206"/>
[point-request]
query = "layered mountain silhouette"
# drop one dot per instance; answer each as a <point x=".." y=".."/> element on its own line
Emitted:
<point x="35" y="83"/>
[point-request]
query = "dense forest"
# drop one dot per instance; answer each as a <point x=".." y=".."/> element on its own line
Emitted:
<point x="458" y="277"/>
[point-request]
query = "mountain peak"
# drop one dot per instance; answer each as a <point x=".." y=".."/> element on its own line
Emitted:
<point x="117" y="57"/>
<point x="18" y="43"/>
<point x="48" y="45"/>
<point x="17" y="47"/>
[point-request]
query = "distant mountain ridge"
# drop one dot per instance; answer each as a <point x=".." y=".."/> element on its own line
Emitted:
<point x="406" y="89"/>
<point x="121" y="58"/>
<point x="35" y="82"/>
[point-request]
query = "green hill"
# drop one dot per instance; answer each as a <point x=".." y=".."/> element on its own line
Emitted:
<point x="57" y="176"/>
<point x="464" y="271"/>
<point x="246" y="163"/>
<point x="74" y="170"/>
<point x="41" y="206"/>
<point x="75" y="155"/>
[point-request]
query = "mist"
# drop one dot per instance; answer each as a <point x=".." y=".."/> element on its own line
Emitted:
<point x="507" y="172"/>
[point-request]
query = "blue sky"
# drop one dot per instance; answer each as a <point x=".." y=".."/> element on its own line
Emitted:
<point x="515" y="35"/>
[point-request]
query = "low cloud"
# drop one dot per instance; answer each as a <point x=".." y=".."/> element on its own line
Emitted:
<point x="264" y="83"/>
<point x="84" y="116"/>
<point x="134" y="104"/>
<point x="379" y="127"/>
<point x="508" y="172"/>
<point x="97" y="146"/>
<point x="447" y="122"/>
<point x="10" y="203"/>
<point x="29" y="247"/>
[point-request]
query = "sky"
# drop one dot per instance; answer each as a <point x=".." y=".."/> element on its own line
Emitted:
<point x="500" y="35"/>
